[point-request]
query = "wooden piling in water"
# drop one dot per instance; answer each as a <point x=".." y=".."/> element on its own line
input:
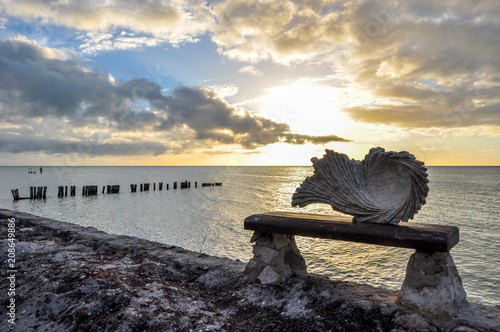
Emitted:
<point x="113" y="189"/>
<point x="44" y="195"/>
<point x="89" y="190"/>
<point x="15" y="194"/>
<point x="175" y="185"/>
<point x="32" y="192"/>
<point x="167" y="186"/>
<point x="160" y="185"/>
<point x="73" y="190"/>
<point x="65" y="191"/>
<point x="154" y="185"/>
<point x="146" y="187"/>
<point x="133" y="188"/>
<point x="60" y="191"/>
<point x="196" y="184"/>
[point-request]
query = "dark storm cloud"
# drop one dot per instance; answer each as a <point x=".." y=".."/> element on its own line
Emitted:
<point x="40" y="85"/>
<point x="212" y="118"/>
<point x="32" y="143"/>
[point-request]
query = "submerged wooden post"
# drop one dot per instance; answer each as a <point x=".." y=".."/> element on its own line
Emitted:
<point x="146" y="187"/>
<point x="39" y="192"/>
<point x="196" y="184"/>
<point x="32" y="193"/>
<point x="175" y="185"/>
<point x="66" y="191"/>
<point x="73" y="191"/>
<point x="60" y="191"/>
<point x="133" y="188"/>
<point x="167" y="186"/>
<point x="44" y="193"/>
<point x="160" y="185"/>
<point x="154" y="185"/>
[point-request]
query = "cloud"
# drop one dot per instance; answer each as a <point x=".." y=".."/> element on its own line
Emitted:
<point x="423" y="63"/>
<point x="33" y="143"/>
<point x="51" y="95"/>
<point x="250" y="70"/>
<point x="212" y="118"/>
<point x="281" y="31"/>
<point x="173" y="22"/>
<point x="3" y="22"/>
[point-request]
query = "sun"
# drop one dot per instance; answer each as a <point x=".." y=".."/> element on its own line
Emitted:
<point x="307" y="108"/>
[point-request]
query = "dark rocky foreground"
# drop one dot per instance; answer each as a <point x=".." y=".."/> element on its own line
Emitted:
<point x="71" y="278"/>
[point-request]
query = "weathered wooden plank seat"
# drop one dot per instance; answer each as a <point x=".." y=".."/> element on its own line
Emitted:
<point x="432" y="284"/>
<point x="423" y="237"/>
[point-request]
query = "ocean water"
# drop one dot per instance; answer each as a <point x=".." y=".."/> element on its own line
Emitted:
<point x="210" y="219"/>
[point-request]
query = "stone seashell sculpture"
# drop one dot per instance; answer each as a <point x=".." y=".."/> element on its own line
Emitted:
<point x="384" y="188"/>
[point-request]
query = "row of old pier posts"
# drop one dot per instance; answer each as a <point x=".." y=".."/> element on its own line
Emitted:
<point x="62" y="191"/>
<point x="89" y="191"/>
<point x="38" y="192"/>
<point x="35" y="193"/>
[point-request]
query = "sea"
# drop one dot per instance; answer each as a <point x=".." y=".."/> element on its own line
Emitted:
<point x="210" y="219"/>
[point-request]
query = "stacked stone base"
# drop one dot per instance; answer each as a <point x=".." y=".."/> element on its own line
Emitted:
<point x="276" y="258"/>
<point x="432" y="284"/>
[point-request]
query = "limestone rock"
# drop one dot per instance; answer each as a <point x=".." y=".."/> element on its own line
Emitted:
<point x="266" y="254"/>
<point x="432" y="284"/>
<point x="281" y="240"/>
<point x="268" y="276"/>
<point x="276" y="258"/>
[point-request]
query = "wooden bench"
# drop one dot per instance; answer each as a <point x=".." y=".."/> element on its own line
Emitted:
<point x="423" y="237"/>
<point x="277" y="258"/>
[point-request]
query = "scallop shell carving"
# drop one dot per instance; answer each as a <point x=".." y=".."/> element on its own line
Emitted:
<point x="384" y="188"/>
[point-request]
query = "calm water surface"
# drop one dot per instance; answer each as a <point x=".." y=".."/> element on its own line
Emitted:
<point x="211" y="219"/>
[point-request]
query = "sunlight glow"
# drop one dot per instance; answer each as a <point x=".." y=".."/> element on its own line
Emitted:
<point x="308" y="108"/>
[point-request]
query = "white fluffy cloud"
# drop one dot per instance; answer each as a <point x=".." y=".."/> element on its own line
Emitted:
<point x="154" y="21"/>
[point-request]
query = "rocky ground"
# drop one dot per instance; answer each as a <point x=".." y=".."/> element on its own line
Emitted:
<point x="71" y="278"/>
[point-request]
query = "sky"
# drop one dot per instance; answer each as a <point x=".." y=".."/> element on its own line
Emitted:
<point x="238" y="82"/>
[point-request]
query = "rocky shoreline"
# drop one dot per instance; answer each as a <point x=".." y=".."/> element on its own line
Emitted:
<point x="73" y="278"/>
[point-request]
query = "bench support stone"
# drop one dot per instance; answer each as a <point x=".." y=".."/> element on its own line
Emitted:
<point x="432" y="284"/>
<point x="276" y="258"/>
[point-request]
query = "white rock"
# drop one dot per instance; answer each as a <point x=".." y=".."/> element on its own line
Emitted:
<point x="280" y="240"/>
<point x="268" y="276"/>
<point x="266" y="254"/>
<point x="432" y="284"/>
